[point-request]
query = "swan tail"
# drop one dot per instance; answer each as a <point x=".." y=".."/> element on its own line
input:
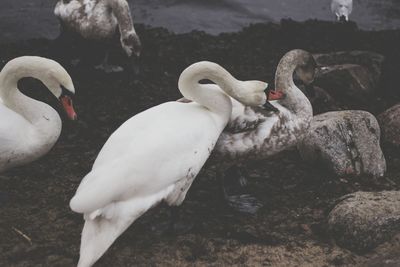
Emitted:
<point x="87" y="197"/>
<point x="98" y="235"/>
<point x="103" y="226"/>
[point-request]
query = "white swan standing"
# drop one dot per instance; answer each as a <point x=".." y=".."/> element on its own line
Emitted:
<point x="342" y="9"/>
<point x="29" y="128"/>
<point x="99" y="20"/>
<point x="156" y="155"/>
<point x="254" y="134"/>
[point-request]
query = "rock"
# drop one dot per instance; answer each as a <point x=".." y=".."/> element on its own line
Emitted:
<point x="320" y="100"/>
<point x="351" y="84"/>
<point x="373" y="62"/>
<point x="390" y="125"/>
<point x="351" y="77"/>
<point x="346" y="143"/>
<point x="363" y="220"/>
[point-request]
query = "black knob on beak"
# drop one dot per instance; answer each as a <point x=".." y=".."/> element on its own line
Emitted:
<point x="269" y="106"/>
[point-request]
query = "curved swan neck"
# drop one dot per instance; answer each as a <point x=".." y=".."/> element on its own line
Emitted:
<point x="122" y="12"/>
<point x="210" y="96"/>
<point x="295" y="100"/>
<point x="17" y="69"/>
<point x="285" y="71"/>
<point x="32" y="110"/>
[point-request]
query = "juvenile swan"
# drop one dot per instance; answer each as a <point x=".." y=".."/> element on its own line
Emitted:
<point x="342" y="9"/>
<point x="29" y="128"/>
<point x="254" y="134"/>
<point x="155" y="155"/>
<point x="99" y="20"/>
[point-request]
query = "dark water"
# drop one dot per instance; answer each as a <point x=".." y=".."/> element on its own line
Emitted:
<point x="21" y="19"/>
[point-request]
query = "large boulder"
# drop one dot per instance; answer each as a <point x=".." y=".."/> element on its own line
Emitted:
<point x="373" y="62"/>
<point x="363" y="220"/>
<point x="346" y="143"/>
<point x="320" y="100"/>
<point x="390" y="125"/>
<point x="351" y="78"/>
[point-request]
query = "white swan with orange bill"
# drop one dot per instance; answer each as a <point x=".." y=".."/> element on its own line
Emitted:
<point x="254" y="133"/>
<point x="156" y="155"/>
<point x="29" y="128"/>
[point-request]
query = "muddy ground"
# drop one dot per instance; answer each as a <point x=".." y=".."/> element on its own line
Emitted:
<point x="290" y="230"/>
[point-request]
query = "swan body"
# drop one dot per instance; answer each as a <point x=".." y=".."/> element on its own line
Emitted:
<point x="155" y="155"/>
<point x="99" y="20"/>
<point x="29" y="128"/>
<point x="253" y="133"/>
<point x="342" y="9"/>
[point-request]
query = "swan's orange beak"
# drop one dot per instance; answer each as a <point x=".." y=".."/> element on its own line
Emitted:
<point x="275" y="95"/>
<point x="66" y="102"/>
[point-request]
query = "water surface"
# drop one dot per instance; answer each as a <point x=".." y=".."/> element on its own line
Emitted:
<point x="21" y="19"/>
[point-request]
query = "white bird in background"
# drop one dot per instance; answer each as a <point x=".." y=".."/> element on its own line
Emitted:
<point x="342" y="9"/>
<point x="29" y="128"/>
<point x="98" y="20"/>
<point x="156" y="155"/>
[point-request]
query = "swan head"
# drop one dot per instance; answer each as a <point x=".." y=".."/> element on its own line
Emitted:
<point x="306" y="68"/>
<point x="49" y="72"/>
<point x="252" y="93"/>
<point x="131" y="44"/>
<point x="60" y="84"/>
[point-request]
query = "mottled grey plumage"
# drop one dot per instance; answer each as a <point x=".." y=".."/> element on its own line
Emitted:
<point x="99" y="20"/>
<point x="254" y="133"/>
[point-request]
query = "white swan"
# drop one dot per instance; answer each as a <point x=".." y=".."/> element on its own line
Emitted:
<point x="342" y="9"/>
<point x="29" y="128"/>
<point x="99" y="20"/>
<point x="156" y="155"/>
<point x="255" y="134"/>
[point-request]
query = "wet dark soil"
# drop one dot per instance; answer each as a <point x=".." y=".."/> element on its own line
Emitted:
<point x="37" y="228"/>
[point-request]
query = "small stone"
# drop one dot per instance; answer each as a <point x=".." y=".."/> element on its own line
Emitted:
<point x="363" y="220"/>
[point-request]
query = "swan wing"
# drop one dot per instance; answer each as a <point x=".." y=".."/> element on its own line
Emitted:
<point x="14" y="129"/>
<point x="246" y="118"/>
<point x="14" y="136"/>
<point x="256" y="134"/>
<point x="147" y="154"/>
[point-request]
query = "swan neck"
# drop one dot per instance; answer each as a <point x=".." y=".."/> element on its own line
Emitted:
<point x="284" y="74"/>
<point x="32" y="110"/>
<point x="295" y="100"/>
<point x="213" y="97"/>
<point x="122" y="12"/>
